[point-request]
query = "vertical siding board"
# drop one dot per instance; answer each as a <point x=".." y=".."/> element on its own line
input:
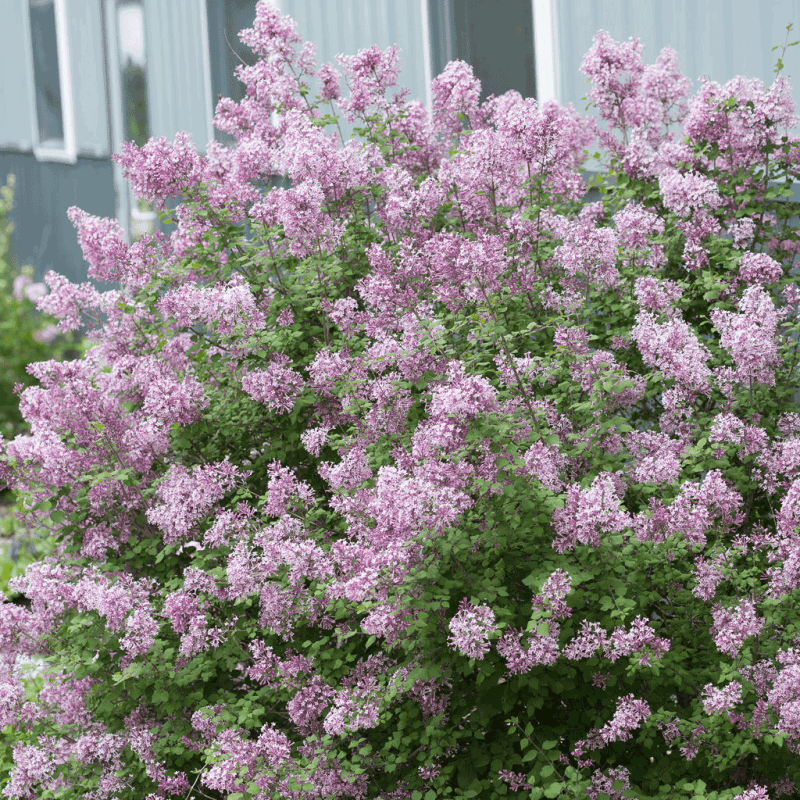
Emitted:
<point x="783" y="12"/>
<point x="768" y="37"/>
<point x="727" y="16"/>
<point x="640" y="18"/>
<point x="347" y="26"/>
<point x="190" y="61"/>
<point x="614" y="17"/>
<point x="712" y="50"/>
<point x="327" y="22"/>
<point x="15" y="83"/>
<point x="716" y="38"/>
<point x="88" y="77"/>
<point x="354" y="27"/>
<point x="406" y="27"/>
<point x="577" y="26"/>
<point x="159" y="82"/>
<point x="176" y="70"/>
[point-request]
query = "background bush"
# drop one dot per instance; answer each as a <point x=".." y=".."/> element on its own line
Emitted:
<point x="26" y="335"/>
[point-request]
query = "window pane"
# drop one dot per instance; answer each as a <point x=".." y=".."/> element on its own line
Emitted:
<point x="133" y="66"/>
<point x="225" y="19"/>
<point x="494" y="36"/>
<point x="440" y="20"/>
<point x="45" y="72"/>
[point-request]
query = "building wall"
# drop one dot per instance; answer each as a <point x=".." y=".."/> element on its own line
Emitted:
<point x="717" y="38"/>
<point x="89" y="78"/>
<point x="47" y="186"/>
<point x="179" y="70"/>
<point x="16" y="131"/>
<point x="187" y="62"/>
<point x="43" y="236"/>
<point x="347" y="26"/>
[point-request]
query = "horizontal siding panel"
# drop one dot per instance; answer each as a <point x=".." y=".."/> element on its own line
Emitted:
<point x="16" y="87"/>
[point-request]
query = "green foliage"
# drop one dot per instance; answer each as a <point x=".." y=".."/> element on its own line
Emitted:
<point x="21" y="328"/>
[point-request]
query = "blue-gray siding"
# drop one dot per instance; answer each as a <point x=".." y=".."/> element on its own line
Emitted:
<point x="717" y="38"/>
<point x="43" y="236"/>
<point x="15" y="86"/>
<point x="347" y="26"/>
<point x="178" y="70"/>
<point x="85" y="44"/>
<point x="88" y="77"/>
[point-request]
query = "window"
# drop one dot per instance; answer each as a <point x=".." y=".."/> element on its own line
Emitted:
<point x="133" y="71"/>
<point x="132" y="54"/>
<point x="54" y="117"/>
<point x="225" y="19"/>
<point x="494" y="36"/>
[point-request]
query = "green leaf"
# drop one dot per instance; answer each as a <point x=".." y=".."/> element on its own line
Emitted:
<point x="549" y="744"/>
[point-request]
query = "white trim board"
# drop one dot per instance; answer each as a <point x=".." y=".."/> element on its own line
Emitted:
<point x="426" y="49"/>
<point x="115" y="113"/>
<point x="545" y="48"/>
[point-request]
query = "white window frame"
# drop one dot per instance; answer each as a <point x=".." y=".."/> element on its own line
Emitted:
<point x="545" y="50"/>
<point x="426" y="49"/>
<point x="209" y="105"/>
<point x="121" y="188"/>
<point x="69" y="152"/>
<point x="544" y="16"/>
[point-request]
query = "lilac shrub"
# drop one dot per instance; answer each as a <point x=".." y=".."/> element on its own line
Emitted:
<point x="415" y="474"/>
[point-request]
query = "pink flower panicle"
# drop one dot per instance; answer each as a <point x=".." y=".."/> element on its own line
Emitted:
<point x="278" y="386"/>
<point x="732" y="627"/>
<point x="629" y="715"/>
<point x="159" y="170"/>
<point x="588" y="513"/>
<point x="186" y="497"/>
<point x="470" y="630"/>
<point x="604" y="783"/>
<point x="717" y="701"/>
<point x="230" y="308"/>
<point x="517" y="781"/>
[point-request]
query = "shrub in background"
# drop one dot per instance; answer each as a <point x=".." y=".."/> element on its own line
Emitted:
<point x="26" y="336"/>
<point x="424" y="478"/>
